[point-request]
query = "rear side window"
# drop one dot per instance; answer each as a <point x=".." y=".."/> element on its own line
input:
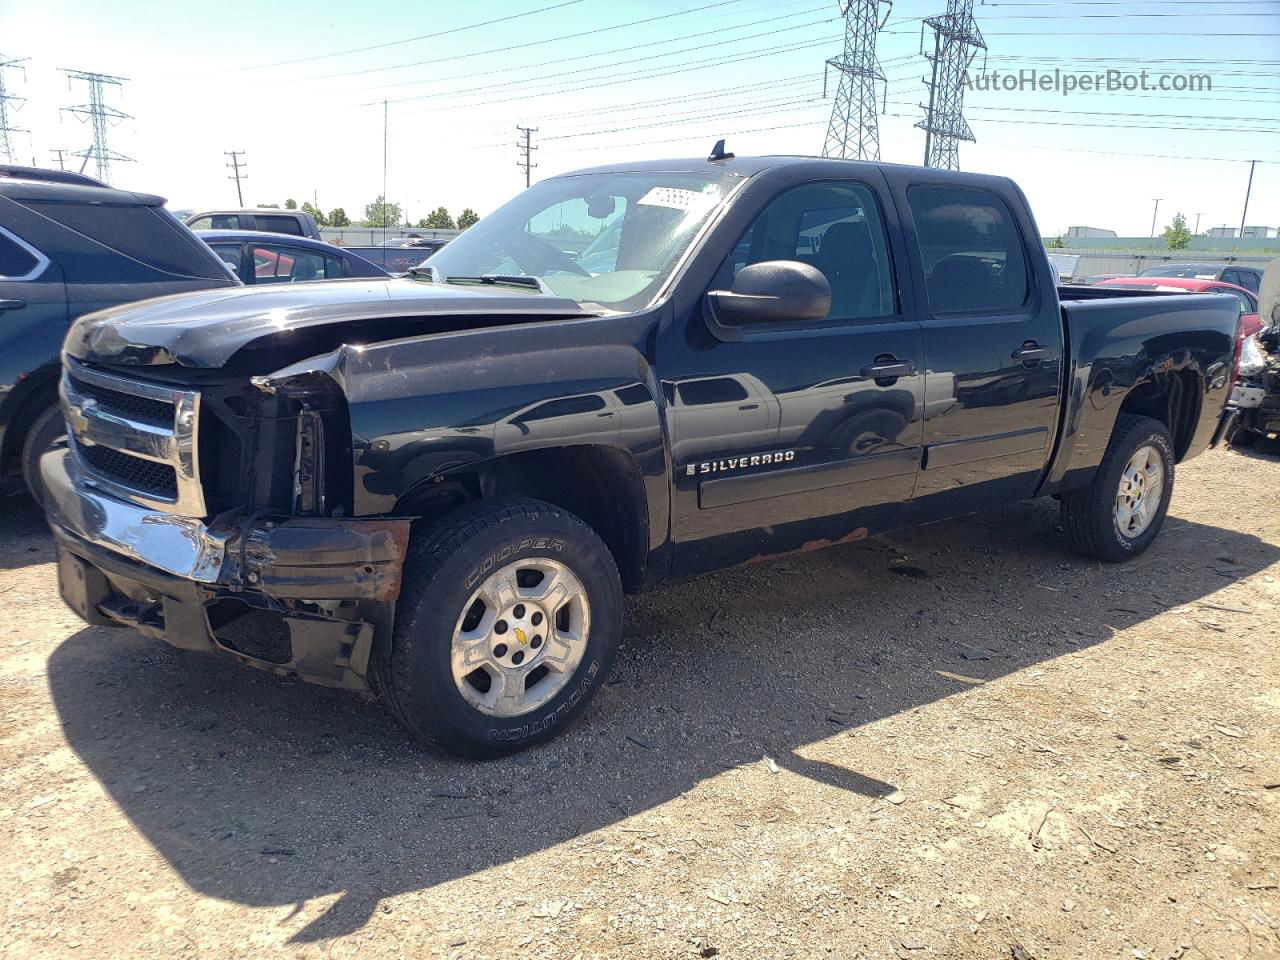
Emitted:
<point x="223" y="221"/>
<point x="279" y="224"/>
<point x="971" y="250"/>
<point x="140" y="232"/>
<point x="281" y="264"/>
<point x="696" y="393"/>
<point x="16" y="261"/>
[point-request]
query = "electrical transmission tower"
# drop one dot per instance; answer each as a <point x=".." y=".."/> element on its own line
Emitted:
<point x="854" y="130"/>
<point x="100" y="115"/>
<point x="526" y="152"/>
<point x="6" y="141"/>
<point x="235" y="166"/>
<point x="956" y="41"/>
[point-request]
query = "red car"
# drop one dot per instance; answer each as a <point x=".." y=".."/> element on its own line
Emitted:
<point x="1250" y="322"/>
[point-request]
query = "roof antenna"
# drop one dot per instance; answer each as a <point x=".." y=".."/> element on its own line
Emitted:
<point x="718" y="153"/>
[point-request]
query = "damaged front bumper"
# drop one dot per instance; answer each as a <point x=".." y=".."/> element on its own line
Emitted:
<point x="302" y="596"/>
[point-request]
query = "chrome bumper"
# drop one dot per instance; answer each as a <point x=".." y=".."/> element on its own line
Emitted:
<point x="181" y="546"/>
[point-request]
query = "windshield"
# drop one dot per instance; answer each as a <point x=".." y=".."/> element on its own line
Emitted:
<point x="609" y="239"/>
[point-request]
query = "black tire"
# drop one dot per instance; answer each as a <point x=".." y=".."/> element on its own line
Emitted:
<point x="47" y="428"/>
<point x="446" y="564"/>
<point x="1089" y="514"/>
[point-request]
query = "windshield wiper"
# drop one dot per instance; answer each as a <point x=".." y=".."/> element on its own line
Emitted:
<point x="499" y="279"/>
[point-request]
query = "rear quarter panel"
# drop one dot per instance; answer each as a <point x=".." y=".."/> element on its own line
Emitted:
<point x="1117" y="344"/>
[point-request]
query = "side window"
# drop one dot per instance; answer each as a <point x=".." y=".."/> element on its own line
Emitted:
<point x="273" y="263"/>
<point x="567" y="407"/>
<point x="16" y="261"/>
<point x="1230" y="276"/>
<point x="1246" y="305"/>
<point x="225" y="221"/>
<point x="1250" y="280"/>
<point x="273" y="224"/>
<point x="201" y="223"/>
<point x="228" y="253"/>
<point x="835" y="227"/>
<point x="971" y="250"/>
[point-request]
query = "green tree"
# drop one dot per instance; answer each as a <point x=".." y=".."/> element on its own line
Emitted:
<point x="467" y="218"/>
<point x="380" y="213"/>
<point x="291" y="204"/>
<point x="316" y="214"/>
<point x="439" y="219"/>
<point x="338" y="218"/>
<point x="1057" y="243"/>
<point x="1176" y="235"/>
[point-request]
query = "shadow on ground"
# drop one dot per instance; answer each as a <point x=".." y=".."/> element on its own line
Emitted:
<point x="265" y="792"/>
<point x="24" y="535"/>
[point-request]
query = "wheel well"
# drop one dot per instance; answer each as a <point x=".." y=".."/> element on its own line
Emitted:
<point x="601" y="485"/>
<point x="23" y="415"/>
<point x="1173" y="398"/>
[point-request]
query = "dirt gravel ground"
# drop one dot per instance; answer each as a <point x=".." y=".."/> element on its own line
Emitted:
<point x="960" y="742"/>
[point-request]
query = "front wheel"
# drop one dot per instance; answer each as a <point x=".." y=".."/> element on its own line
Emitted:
<point x="1117" y="516"/>
<point x="507" y="624"/>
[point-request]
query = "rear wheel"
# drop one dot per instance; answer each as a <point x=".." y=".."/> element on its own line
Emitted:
<point x="1118" y="516"/>
<point x="507" y="624"/>
<point x="47" y="428"/>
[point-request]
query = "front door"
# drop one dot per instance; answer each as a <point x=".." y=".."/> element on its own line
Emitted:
<point x="783" y="434"/>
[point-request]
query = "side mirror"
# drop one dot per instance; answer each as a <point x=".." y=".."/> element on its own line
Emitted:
<point x="771" y="292"/>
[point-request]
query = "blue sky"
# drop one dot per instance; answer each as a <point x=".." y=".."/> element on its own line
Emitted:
<point x="275" y="80"/>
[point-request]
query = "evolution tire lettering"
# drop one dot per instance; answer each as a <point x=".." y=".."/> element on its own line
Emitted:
<point x="509" y="551"/>
<point x="740" y="463"/>
<point x="551" y="719"/>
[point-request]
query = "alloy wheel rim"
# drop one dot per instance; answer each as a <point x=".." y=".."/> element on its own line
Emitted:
<point x="520" y="637"/>
<point x="1140" y="491"/>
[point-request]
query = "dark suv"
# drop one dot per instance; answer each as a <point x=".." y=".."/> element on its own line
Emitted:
<point x="69" y="245"/>
<point x="1248" y="277"/>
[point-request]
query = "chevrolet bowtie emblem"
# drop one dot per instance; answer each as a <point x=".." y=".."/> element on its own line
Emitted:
<point x="521" y="637"/>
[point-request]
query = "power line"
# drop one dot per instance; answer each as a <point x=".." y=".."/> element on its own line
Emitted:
<point x="854" y="131"/>
<point x="527" y="44"/>
<point x="100" y="117"/>
<point x="235" y="166"/>
<point x="389" y="43"/>
<point x="625" y="49"/>
<point x="6" y="141"/>
<point x="526" y="152"/>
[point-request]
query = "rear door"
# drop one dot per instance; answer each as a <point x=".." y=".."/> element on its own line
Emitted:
<point x="993" y="343"/>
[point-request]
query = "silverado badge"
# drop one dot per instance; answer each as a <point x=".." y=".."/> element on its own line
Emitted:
<point x="740" y="463"/>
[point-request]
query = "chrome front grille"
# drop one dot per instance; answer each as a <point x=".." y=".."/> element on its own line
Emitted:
<point x="135" y="439"/>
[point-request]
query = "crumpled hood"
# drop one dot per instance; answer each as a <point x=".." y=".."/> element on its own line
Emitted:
<point x="207" y="328"/>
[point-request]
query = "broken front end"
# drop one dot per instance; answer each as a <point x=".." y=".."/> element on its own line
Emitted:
<point x="1256" y="396"/>
<point x="215" y="513"/>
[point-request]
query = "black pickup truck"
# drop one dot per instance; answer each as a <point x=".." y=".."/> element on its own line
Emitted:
<point x="438" y="489"/>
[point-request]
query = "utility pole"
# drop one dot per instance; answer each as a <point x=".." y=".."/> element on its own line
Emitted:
<point x="956" y="42"/>
<point x="854" y="130"/>
<point x="236" y="166"/>
<point x="526" y="152"/>
<point x="100" y="116"/>
<point x="1247" y="190"/>
<point x="1197" y="230"/>
<point x="1155" y="210"/>
<point x="6" y="142"/>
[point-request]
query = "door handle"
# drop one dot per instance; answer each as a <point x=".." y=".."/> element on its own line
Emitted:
<point x="1032" y="352"/>
<point x="12" y="304"/>
<point x="888" y="367"/>
<point x="750" y="406"/>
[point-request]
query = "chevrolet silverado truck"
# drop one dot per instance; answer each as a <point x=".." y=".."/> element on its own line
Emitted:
<point x="437" y="490"/>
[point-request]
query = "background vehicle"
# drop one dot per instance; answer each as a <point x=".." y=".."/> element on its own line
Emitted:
<point x="277" y="258"/>
<point x="1248" y="277"/>
<point x="70" y="245"/>
<point x="439" y="489"/>
<point x="265" y="220"/>
<point x="1162" y="284"/>
<point x="398" y="257"/>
